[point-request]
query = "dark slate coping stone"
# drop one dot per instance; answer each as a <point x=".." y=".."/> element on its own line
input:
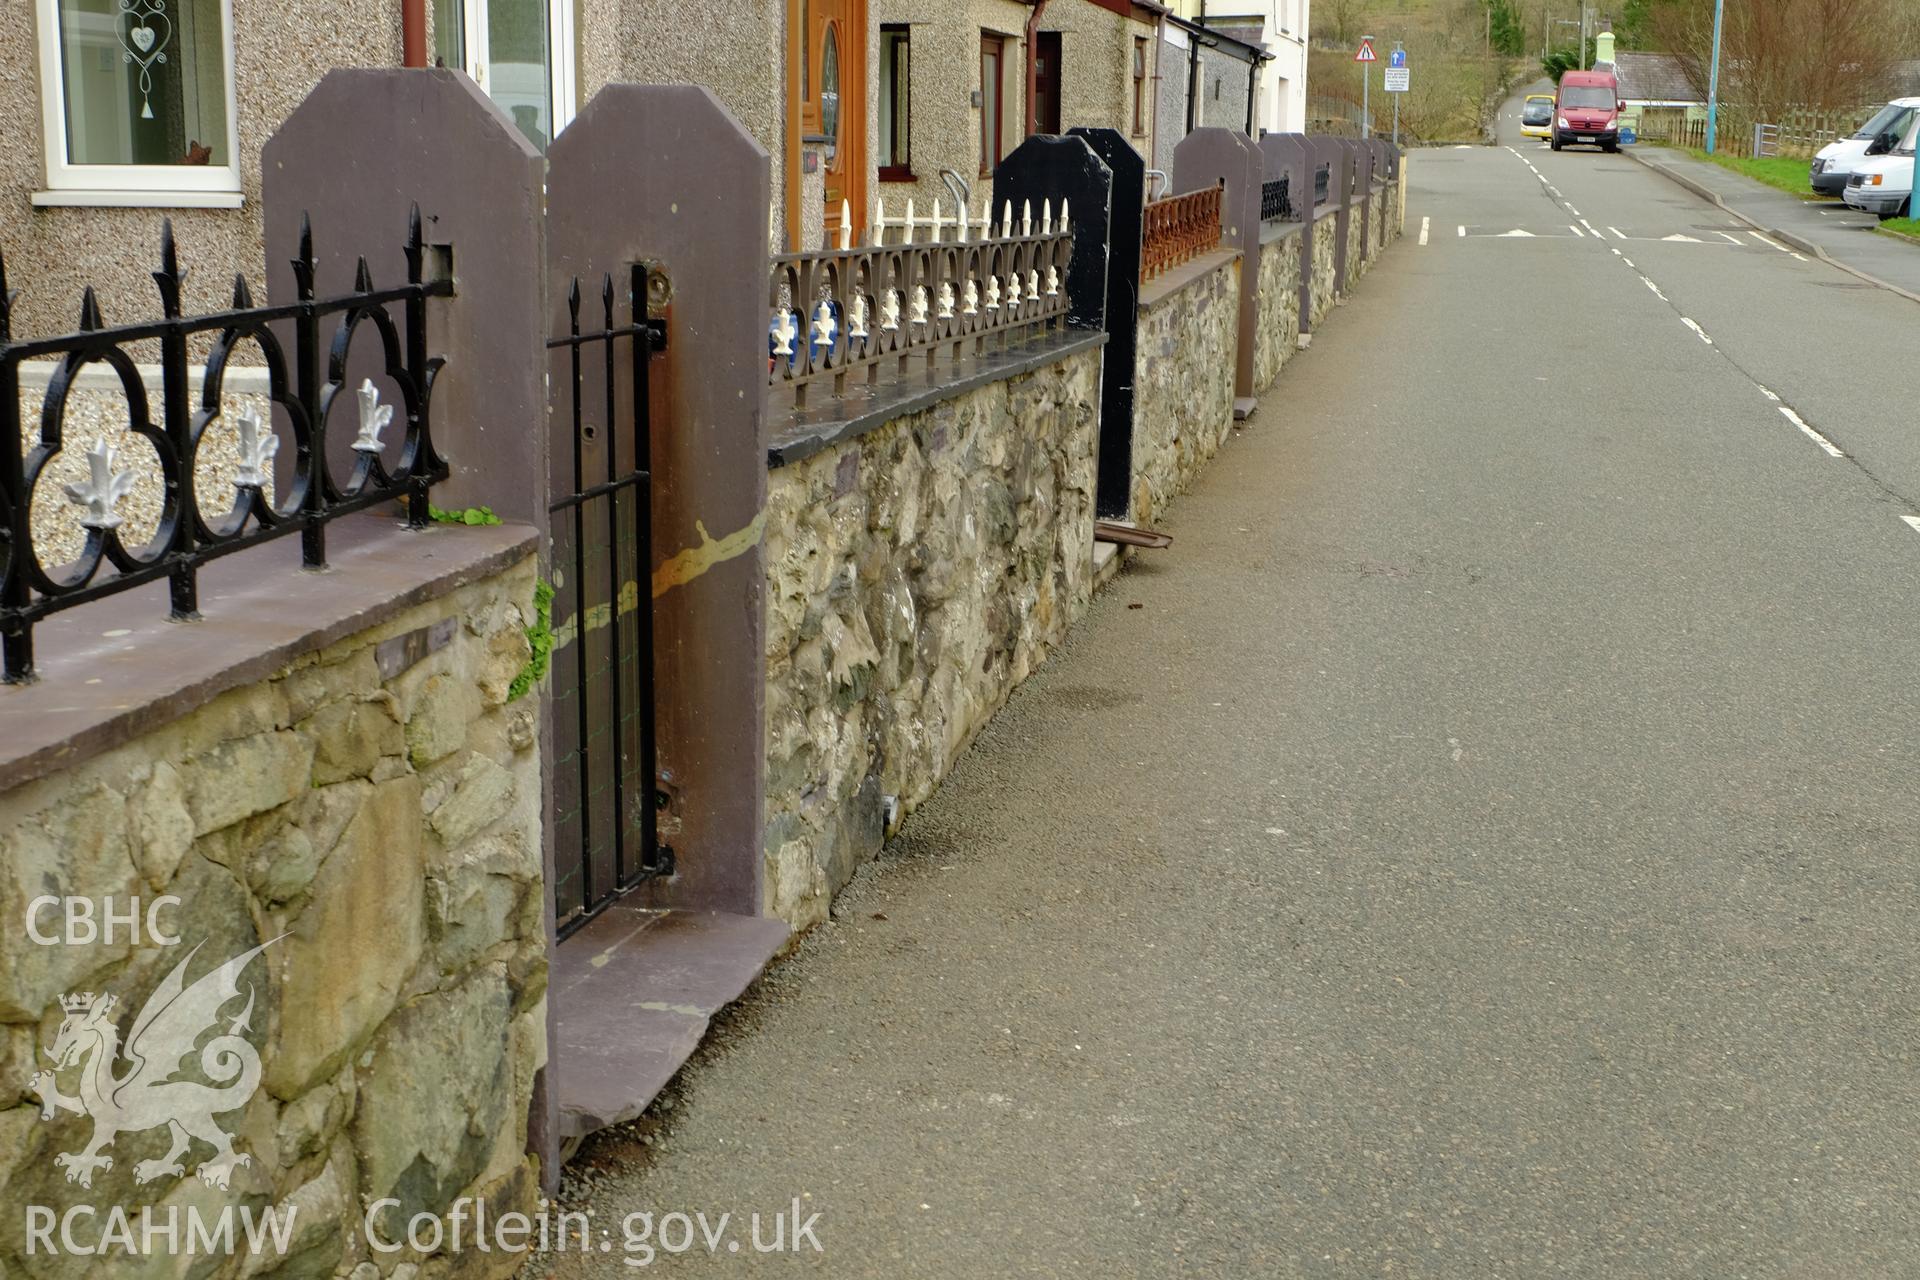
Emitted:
<point x="1274" y="231"/>
<point x="259" y="611"/>
<point x="862" y="409"/>
<point x="1157" y="290"/>
<point x="633" y="993"/>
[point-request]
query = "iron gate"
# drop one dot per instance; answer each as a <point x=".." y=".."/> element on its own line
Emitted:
<point x="605" y="804"/>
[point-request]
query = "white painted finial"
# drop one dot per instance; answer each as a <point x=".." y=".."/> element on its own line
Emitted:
<point x="103" y="488"/>
<point x="880" y="221"/>
<point x="374" y="418"/>
<point x="256" y="447"/>
<point x="907" y="238"/>
<point x="784" y="332"/>
<point x="1046" y="217"/>
<point x="964" y="228"/>
<point x="846" y="225"/>
<point x="824" y="325"/>
<point x="1063" y="217"/>
<point x="1006" y="220"/>
<point x="1026" y="217"/>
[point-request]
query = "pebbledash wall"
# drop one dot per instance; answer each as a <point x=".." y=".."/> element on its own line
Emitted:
<point x="916" y="573"/>
<point x="370" y="811"/>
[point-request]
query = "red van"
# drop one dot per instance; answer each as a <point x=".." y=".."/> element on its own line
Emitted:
<point x="1587" y="110"/>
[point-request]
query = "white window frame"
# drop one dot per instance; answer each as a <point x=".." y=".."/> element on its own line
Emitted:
<point x="128" y="185"/>
<point x="560" y="108"/>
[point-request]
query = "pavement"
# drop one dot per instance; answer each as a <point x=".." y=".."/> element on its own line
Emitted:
<point x="1482" y="845"/>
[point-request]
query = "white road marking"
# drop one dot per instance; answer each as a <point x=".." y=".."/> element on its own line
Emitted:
<point x="1515" y="234"/>
<point x="1815" y="436"/>
<point x="1656" y="288"/>
<point x="1914" y="521"/>
<point x="1768" y="393"/>
<point x="1576" y="231"/>
<point x="1575" y="212"/>
<point x="1629" y="261"/>
<point x="1618" y="234"/>
<point x="1463" y="229"/>
<point x="1724" y="236"/>
<point x="1698" y="332"/>
<point x="1798" y="258"/>
<point x="1771" y="244"/>
<point x="1425" y="223"/>
<point x="1677" y="238"/>
<point x="1616" y="252"/>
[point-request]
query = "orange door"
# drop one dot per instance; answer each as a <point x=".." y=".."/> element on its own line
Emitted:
<point x="827" y="102"/>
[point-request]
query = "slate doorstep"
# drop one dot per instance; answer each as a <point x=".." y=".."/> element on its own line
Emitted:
<point x="633" y="995"/>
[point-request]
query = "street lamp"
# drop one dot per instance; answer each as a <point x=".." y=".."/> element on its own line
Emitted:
<point x="1713" y="78"/>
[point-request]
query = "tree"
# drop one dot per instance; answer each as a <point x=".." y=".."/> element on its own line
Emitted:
<point x="1778" y="56"/>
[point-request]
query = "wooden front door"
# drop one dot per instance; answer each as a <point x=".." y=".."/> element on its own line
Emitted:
<point x="827" y="101"/>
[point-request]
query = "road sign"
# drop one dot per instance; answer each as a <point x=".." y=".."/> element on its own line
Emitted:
<point x="1366" y="53"/>
<point x="1397" y="59"/>
<point x="1396" y="79"/>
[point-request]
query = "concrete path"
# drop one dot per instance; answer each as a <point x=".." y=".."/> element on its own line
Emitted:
<point x="1483" y="845"/>
<point x="1843" y="234"/>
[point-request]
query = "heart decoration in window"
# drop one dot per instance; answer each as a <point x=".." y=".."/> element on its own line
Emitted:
<point x="145" y="31"/>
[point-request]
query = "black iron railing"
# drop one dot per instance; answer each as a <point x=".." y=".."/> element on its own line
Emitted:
<point x="1276" y="201"/>
<point x="859" y="310"/>
<point x="605" y="814"/>
<point x="1322" y="184"/>
<point x="194" y="528"/>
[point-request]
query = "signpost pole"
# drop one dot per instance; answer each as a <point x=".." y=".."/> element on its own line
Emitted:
<point x="1365" y="57"/>
<point x="1713" y="79"/>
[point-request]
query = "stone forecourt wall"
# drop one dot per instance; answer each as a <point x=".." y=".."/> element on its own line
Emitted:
<point x="1183" y="378"/>
<point x="376" y="826"/>
<point x="916" y="574"/>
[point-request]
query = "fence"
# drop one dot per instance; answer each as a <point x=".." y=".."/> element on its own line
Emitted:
<point x="1276" y="201"/>
<point x="186" y="536"/>
<point x="841" y="312"/>
<point x="603" y="682"/>
<point x="1179" y="229"/>
<point x="1802" y="133"/>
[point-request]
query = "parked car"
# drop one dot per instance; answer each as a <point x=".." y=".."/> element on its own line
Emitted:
<point x="1883" y="185"/>
<point x="1536" y="116"/>
<point x="1836" y="162"/>
<point x="1586" y="111"/>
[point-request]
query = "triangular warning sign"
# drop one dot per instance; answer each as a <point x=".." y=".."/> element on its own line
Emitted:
<point x="1366" y="53"/>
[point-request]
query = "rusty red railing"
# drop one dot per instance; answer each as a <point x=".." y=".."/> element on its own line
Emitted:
<point x="1179" y="229"/>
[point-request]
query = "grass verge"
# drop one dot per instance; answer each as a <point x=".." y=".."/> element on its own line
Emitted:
<point x="1905" y="228"/>
<point x="1781" y="172"/>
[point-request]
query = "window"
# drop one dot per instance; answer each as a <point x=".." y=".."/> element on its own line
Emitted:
<point x="992" y="52"/>
<point x="1047" y="62"/>
<point x="896" y="104"/>
<point x="137" y="102"/>
<point x="519" y="51"/>
<point x="1587" y="97"/>
<point x="1139" y="85"/>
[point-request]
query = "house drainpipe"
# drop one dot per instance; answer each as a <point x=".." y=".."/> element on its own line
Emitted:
<point x="1033" y="67"/>
<point x="1193" y="79"/>
<point x="1253" y="72"/>
<point x="413" y="33"/>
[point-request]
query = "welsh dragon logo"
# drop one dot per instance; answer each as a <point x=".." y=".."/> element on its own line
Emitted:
<point x="146" y="1095"/>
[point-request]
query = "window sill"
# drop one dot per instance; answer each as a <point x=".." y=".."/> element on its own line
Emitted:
<point x="86" y="198"/>
<point x="896" y="173"/>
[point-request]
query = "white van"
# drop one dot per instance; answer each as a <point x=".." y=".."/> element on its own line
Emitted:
<point x="1883" y="184"/>
<point x="1838" y="160"/>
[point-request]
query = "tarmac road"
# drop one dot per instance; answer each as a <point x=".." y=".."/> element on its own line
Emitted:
<point x="1487" y="850"/>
